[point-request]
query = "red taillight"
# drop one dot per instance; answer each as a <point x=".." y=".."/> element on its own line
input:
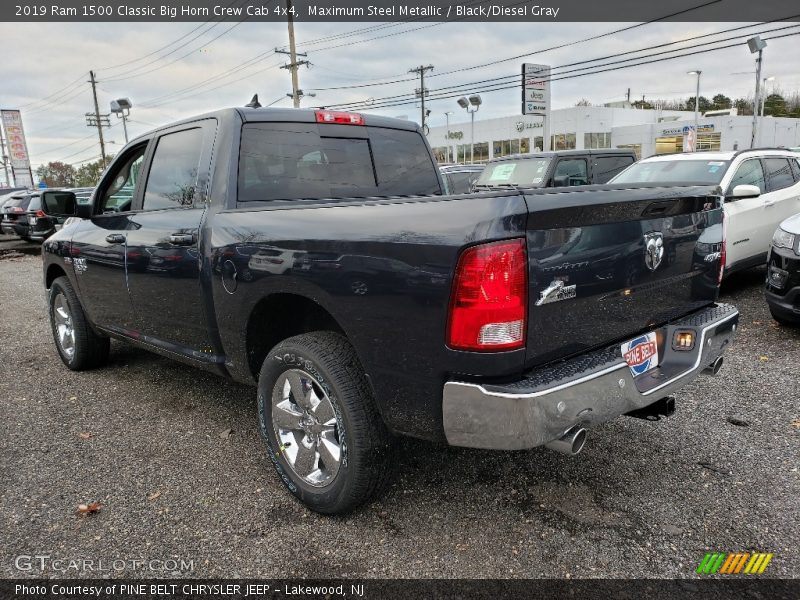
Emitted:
<point x="722" y="253"/>
<point x="342" y="118"/>
<point x="40" y="213"/>
<point x="490" y="295"/>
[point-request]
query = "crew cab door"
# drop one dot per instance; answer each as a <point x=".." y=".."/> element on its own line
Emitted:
<point x="746" y="216"/>
<point x="164" y="277"/>
<point x="99" y="249"/>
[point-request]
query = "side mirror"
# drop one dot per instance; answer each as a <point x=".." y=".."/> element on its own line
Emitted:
<point x="746" y="191"/>
<point x="59" y="204"/>
<point x="562" y="181"/>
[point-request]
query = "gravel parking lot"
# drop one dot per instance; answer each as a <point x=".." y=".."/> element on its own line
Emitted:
<point x="174" y="457"/>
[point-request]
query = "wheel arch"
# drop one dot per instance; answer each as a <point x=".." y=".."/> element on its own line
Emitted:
<point x="53" y="272"/>
<point x="282" y="315"/>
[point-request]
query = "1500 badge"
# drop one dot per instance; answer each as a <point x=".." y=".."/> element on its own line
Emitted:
<point x="555" y="292"/>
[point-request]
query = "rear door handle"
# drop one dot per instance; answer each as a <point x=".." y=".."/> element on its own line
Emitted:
<point x="115" y="238"/>
<point x="181" y="239"/>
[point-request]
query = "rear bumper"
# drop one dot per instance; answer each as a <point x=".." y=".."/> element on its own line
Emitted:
<point x="14" y="229"/>
<point x="586" y="390"/>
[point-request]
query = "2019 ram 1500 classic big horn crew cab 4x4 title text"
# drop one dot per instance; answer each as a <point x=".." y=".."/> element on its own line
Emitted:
<point x="312" y="254"/>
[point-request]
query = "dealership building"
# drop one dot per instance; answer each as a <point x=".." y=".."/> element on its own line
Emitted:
<point x="647" y="132"/>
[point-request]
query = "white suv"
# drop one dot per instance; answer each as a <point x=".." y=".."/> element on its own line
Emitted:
<point x="761" y="188"/>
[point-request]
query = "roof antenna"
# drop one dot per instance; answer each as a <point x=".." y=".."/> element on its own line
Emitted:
<point x="254" y="103"/>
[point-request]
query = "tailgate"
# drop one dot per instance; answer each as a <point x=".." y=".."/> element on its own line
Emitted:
<point x="607" y="263"/>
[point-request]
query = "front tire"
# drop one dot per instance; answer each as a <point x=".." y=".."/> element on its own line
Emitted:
<point x="783" y="320"/>
<point x="78" y="345"/>
<point x="320" y="423"/>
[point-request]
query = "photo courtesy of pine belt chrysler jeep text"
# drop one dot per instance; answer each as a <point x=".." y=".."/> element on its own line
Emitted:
<point x="313" y="255"/>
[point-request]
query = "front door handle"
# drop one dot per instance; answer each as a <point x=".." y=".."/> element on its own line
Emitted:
<point x="115" y="238"/>
<point x="181" y="239"/>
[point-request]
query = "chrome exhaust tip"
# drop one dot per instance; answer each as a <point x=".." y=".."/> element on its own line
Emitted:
<point x="714" y="367"/>
<point x="570" y="443"/>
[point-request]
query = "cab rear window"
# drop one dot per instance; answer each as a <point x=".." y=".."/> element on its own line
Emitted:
<point x="290" y="161"/>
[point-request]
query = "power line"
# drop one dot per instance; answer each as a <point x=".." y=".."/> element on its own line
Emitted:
<point x="158" y="68"/>
<point x="126" y="74"/>
<point x="499" y="86"/>
<point x="553" y="77"/>
<point x="251" y="61"/>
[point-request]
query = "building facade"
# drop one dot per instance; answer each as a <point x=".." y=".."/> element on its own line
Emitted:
<point x="647" y="132"/>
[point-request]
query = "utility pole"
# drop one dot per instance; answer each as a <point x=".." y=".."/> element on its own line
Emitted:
<point x="422" y="91"/>
<point x="294" y="64"/>
<point x="97" y="118"/>
<point x="628" y="95"/>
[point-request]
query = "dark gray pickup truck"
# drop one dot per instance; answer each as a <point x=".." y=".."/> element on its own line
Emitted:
<point x="312" y="254"/>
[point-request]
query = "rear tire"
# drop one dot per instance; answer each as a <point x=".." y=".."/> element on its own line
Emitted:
<point x="78" y="345"/>
<point x="321" y="425"/>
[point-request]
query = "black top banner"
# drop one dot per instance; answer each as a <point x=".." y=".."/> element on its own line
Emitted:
<point x="407" y="589"/>
<point x="523" y="11"/>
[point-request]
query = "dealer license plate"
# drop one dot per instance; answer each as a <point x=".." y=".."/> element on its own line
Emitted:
<point x="641" y="353"/>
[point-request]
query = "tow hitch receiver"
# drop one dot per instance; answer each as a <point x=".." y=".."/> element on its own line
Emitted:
<point x="655" y="411"/>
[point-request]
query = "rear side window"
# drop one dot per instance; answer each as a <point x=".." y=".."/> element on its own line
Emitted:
<point x="36" y="203"/>
<point x="795" y="168"/>
<point x="173" y="175"/>
<point x="779" y="173"/>
<point x="605" y="167"/>
<point x="289" y="161"/>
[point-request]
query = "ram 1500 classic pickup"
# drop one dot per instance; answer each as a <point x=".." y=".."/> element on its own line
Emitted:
<point x="312" y="254"/>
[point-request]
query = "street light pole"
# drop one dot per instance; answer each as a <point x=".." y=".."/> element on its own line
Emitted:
<point x="471" y="105"/>
<point x="447" y="135"/>
<point x="696" y="110"/>
<point x="756" y="45"/>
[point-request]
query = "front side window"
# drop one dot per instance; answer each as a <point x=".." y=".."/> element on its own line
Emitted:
<point x="172" y="181"/>
<point x="118" y="196"/>
<point x="750" y="172"/>
<point x="571" y="171"/>
<point x="779" y="173"/>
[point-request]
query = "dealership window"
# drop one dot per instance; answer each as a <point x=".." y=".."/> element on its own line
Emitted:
<point x="505" y="147"/>
<point x="596" y="140"/>
<point x="563" y="141"/>
<point x="538" y="144"/>
<point x="525" y="145"/>
<point x="709" y="142"/>
<point x="443" y="154"/>
<point x="669" y="145"/>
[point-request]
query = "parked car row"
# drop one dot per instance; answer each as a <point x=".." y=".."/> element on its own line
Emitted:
<point x="21" y="214"/>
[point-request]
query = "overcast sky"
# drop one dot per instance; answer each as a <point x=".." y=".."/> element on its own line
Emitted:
<point x="40" y="59"/>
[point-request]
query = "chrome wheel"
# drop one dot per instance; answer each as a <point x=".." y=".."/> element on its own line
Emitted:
<point x="62" y="320"/>
<point x="305" y="426"/>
